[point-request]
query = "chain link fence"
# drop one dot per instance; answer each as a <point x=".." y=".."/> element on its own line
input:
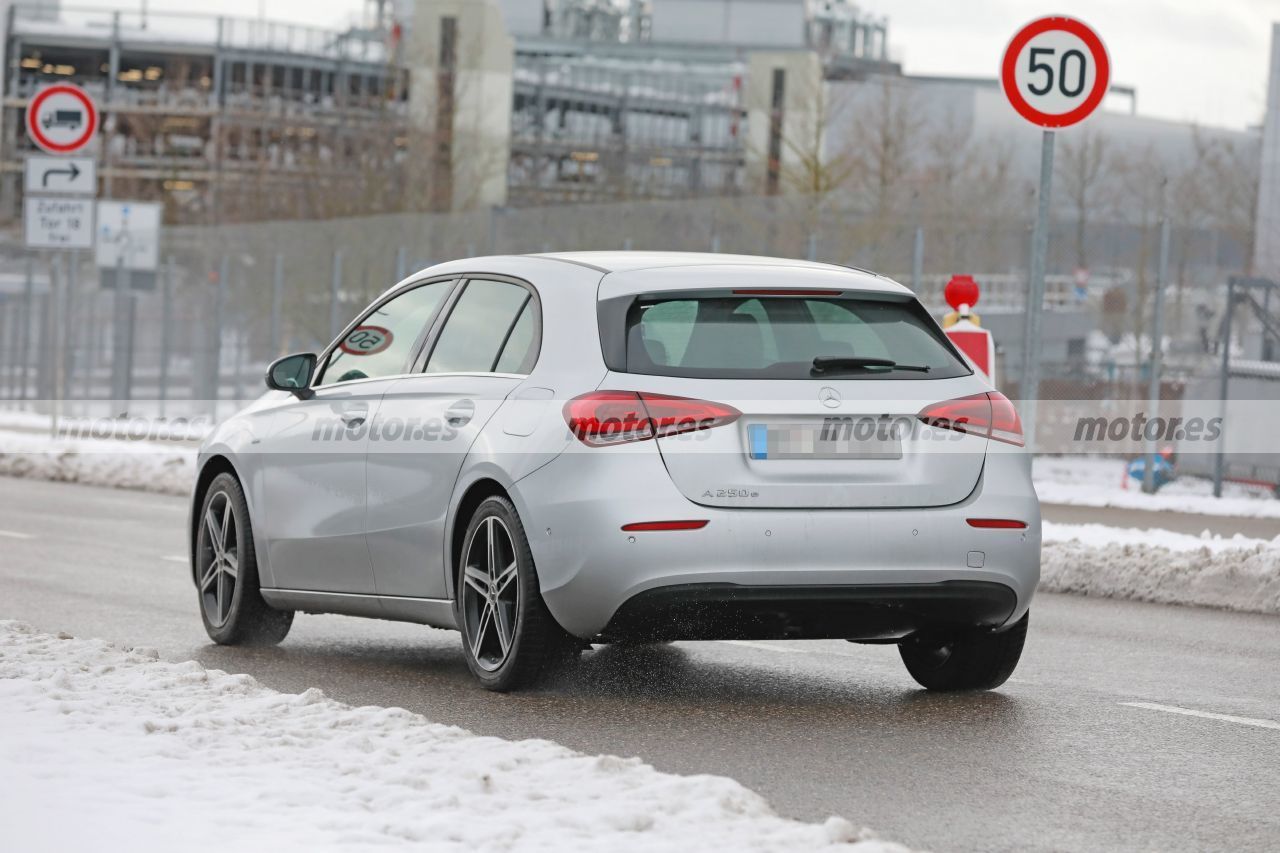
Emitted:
<point x="227" y="300"/>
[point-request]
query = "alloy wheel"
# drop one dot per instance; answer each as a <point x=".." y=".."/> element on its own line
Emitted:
<point x="490" y="593"/>
<point x="219" y="559"/>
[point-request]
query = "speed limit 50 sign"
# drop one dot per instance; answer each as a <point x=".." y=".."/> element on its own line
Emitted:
<point x="1055" y="72"/>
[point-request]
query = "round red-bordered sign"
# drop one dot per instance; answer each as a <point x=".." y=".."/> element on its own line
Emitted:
<point x="367" y="340"/>
<point x="43" y="115"/>
<point x="1091" y="100"/>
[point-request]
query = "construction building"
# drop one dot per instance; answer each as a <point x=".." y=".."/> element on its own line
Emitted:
<point x="438" y="104"/>
<point x="471" y="104"/>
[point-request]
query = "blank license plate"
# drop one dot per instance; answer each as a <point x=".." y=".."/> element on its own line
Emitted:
<point x="837" y="438"/>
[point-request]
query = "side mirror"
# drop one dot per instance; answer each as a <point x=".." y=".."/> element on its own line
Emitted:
<point x="293" y="373"/>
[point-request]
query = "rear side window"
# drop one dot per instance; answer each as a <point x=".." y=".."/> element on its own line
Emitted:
<point x="740" y="337"/>
<point x="493" y="327"/>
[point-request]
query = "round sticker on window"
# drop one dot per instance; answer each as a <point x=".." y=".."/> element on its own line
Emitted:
<point x="367" y="340"/>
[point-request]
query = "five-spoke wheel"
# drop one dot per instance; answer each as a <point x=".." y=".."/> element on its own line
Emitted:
<point x="509" y="638"/>
<point x="226" y="570"/>
<point x="490" y="593"/>
<point x="219" y="558"/>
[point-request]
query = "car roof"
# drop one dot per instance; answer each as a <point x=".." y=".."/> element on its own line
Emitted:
<point x="628" y="271"/>
<point x="629" y="261"/>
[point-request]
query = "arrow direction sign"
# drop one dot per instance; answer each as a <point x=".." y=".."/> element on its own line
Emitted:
<point x="71" y="172"/>
<point x="62" y="175"/>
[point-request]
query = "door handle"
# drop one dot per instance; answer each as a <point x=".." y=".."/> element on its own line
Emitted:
<point x="354" y="419"/>
<point x="460" y="413"/>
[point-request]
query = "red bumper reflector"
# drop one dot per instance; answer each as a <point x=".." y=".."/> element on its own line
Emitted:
<point x="696" y="524"/>
<point x="998" y="523"/>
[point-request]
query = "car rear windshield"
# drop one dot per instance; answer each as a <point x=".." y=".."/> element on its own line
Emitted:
<point x="784" y="337"/>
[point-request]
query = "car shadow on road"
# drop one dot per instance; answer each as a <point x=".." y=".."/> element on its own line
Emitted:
<point x="669" y="672"/>
<point x="648" y="681"/>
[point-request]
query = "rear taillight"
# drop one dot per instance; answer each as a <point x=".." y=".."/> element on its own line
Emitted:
<point x="1006" y="426"/>
<point x="602" y="418"/>
<point x="990" y="414"/>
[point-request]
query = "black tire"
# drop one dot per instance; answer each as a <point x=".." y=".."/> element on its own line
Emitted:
<point x="976" y="661"/>
<point x="536" y="644"/>
<point x="231" y="606"/>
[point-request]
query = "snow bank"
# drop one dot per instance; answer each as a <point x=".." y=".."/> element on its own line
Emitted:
<point x="168" y="468"/>
<point x="1091" y="481"/>
<point x="106" y="748"/>
<point x="1162" y="566"/>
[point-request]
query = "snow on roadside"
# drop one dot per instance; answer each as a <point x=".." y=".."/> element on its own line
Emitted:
<point x="107" y="748"/>
<point x="1162" y="566"/>
<point x="167" y="468"/>
<point x="1100" y="482"/>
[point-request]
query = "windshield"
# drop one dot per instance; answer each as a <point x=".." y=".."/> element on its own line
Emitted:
<point x="781" y="337"/>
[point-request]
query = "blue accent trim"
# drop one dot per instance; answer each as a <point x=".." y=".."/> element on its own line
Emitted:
<point x="758" y="437"/>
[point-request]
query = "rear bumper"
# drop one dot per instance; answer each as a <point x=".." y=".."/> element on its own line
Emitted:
<point x="839" y="562"/>
<point x="735" y="612"/>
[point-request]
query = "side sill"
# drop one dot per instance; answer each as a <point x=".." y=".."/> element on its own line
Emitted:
<point x="436" y="612"/>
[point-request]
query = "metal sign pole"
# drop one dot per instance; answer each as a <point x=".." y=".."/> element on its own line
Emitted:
<point x="121" y="331"/>
<point x="70" y="301"/>
<point x="28" y="318"/>
<point x="213" y="381"/>
<point x="335" y="295"/>
<point x="5" y="344"/>
<point x="277" y="303"/>
<point x="917" y="261"/>
<point x="57" y="288"/>
<point x="166" y="333"/>
<point x="1157" y="336"/>
<point x="1035" y="296"/>
<point x="1224" y="384"/>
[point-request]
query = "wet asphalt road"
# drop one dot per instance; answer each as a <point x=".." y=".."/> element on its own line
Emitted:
<point x="1052" y="761"/>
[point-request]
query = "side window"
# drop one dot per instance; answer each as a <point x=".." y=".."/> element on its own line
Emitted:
<point x="382" y="342"/>
<point x="487" y="326"/>
<point x="520" y="350"/>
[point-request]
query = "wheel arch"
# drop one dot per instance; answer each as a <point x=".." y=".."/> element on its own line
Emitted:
<point x="213" y="466"/>
<point x="464" y="507"/>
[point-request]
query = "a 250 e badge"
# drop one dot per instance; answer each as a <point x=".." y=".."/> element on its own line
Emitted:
<point x="731" y="493"/>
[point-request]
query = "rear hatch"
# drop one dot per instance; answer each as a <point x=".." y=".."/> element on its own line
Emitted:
<point x="815" y="397"/>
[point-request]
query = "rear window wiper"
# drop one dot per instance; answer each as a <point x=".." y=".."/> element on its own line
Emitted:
<point x="825" y="363"/>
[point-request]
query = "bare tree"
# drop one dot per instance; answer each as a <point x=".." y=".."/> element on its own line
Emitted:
<point x="1232" y="170"/>
<point x="884" y="150"/>
<point x="1084" y="170"/>
<point x="1145" y="179"/>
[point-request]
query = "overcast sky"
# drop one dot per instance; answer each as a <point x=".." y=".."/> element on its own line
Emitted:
<point x="1193" y="60"/>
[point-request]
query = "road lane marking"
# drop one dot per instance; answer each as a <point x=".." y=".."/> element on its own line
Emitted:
<point x="175" y="558"/>
<point x="1208" y="715"/>
<point x="13" y="534"/>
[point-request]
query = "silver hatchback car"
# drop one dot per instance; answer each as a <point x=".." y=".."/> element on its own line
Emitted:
<point x="549" y="451"/>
